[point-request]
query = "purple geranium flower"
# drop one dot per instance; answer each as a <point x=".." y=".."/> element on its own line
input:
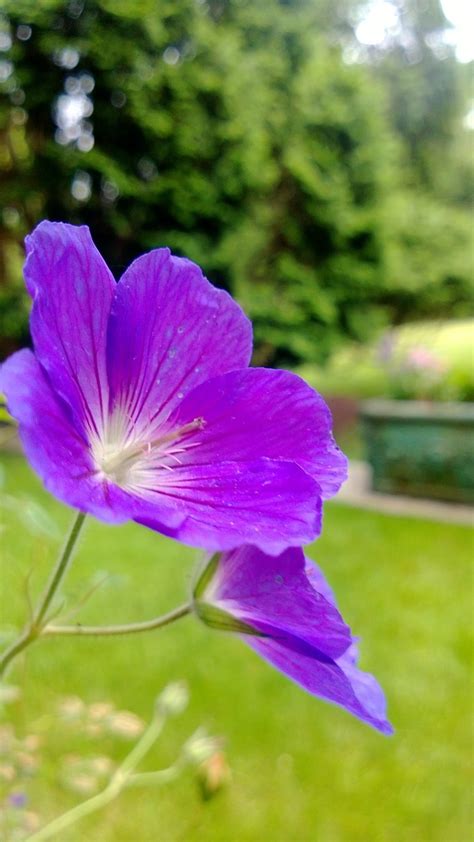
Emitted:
<point x="138" y="403"/>
<point x="286" y="611"/>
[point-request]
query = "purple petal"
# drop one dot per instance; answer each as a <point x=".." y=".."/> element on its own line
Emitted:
<point x="271" y="504"/>
<point x="72" y="291"/>
<point x="268" y="591"/>
<point x="169" y="330"/>
<point x="260" y="412"/>
<point x="204" y="458"/>
<point x="327" y="679"/>
<point x="58" y="450"/>
<point x="54" y="448"/>
<point x="303" y="634"/>
<point x="318" y="580"/>
<point x="366" y="688"/>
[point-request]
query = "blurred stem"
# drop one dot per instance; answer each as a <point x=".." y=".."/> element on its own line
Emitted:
<point x="125" y="628"/>
<point x="37" y="622"/>
<point x="141" y="749"/>
<point x="122" y="777"/>
<point x="163" y="776"/>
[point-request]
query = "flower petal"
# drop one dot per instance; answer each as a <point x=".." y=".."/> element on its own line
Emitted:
<point x="54" y="448"/>
<point x="302" y="633"/>
<point x="260" y="412"/>
<point x="72" y="291"/>
<point x="326" y="679"/>
<point x="274" y="592"/>
<point x="169" y="330"/>
<point x="59" y="452"/>
<point x="271" y="504"/>
<point x="366" y="688"/>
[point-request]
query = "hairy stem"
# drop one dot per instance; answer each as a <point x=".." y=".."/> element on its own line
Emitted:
<point x="124" y="628"/>
<point x="37" y="622"/>
<point x="59" y="570"/>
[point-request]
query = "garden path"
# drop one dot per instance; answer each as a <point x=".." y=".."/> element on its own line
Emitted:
<point x="357" y="492"/>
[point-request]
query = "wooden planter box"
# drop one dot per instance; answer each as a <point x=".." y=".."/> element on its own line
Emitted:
<point x="420" y="448"/>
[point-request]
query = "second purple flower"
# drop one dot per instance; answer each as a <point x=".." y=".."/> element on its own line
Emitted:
<point x="284" y="608"/>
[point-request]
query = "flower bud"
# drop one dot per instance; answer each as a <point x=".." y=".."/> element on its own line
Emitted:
<point x="125" y="724"/>
<point x="200" y="747"/>
<point x="173" y="700"/>
<point x="213" y="774"/>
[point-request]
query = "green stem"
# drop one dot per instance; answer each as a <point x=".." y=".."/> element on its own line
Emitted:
<point x="122" y="777"/>
<point x="59" y="570"/>
<point x="74" y="815"/>
<point x="124" y="628"/>
<point x="141" y="749"/>
<point x="35" y="627"/>
<point x="162" y="776"/>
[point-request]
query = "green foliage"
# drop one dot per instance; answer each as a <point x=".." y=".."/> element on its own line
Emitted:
<point x="13" y="300"/>
<point x="424" y="360"/>
<point x="237" y="134"/>
<point x="432" y="258"/>
<point x="310" y="251"/>
<point x="428" y="96"/>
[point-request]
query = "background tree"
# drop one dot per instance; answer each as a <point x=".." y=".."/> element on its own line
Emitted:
<point x="324" y="191"/>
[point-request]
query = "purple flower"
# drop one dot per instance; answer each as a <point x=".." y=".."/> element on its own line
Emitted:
<point x="286" y="611"/>
<point x="138" y="403"/>
<point x="18" y="800"/>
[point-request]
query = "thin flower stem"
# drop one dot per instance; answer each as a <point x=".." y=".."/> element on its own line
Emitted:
<point x="162" y="776"/>
<point x="141" y="748"/>
<point x="72" y="816"/>
<point x="60" y="569"/>
<point x="124" y="628"/>
<point x="36" y="625"/>
<point x="122" y="777"/>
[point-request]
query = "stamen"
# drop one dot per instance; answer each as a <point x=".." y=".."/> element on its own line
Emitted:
<point x="120" y="461"/>
<point x="174" y="435"/>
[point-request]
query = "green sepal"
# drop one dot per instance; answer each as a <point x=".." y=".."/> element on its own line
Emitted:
<point x="216" y="618"/>
<point x="206" y="576"/>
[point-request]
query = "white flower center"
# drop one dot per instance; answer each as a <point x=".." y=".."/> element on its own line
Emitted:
<point x="128" y="460"/>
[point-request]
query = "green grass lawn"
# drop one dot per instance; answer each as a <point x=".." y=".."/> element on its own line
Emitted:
<point x="302" y="769"/>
